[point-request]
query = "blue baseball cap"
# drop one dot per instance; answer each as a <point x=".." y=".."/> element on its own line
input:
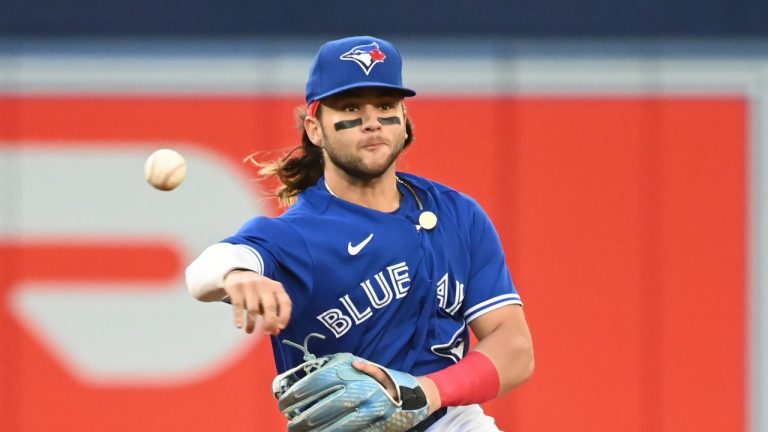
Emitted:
<point x="358" y="61"/>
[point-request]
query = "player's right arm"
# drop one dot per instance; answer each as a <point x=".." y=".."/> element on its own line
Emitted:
<point x="264" y="270"/>
<point x="233" y="273"/>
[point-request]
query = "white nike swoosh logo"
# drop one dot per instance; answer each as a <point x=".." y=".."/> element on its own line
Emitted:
<point x="354" y="250"/>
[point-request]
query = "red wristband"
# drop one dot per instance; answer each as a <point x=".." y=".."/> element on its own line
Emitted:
<point x="473" y="380"/>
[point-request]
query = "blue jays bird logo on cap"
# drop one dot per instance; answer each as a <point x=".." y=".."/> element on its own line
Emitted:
<point x="367" y="56"/>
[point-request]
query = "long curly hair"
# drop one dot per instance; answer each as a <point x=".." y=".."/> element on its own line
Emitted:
<point x="301" y="166"/>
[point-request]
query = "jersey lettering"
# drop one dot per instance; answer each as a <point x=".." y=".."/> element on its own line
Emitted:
<point x="443" y="295"/>
<point x="459" y="298"/>
<point x="356" y="315"/>
<point x="377" y="302"/>
<point x="442" y="291"/>
<point x="336" y="321"/>
<point x="396" y="287"/>
<point x="400" y="279"/>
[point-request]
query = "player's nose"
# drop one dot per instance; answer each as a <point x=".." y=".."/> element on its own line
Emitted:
<point x="370" y="118"/>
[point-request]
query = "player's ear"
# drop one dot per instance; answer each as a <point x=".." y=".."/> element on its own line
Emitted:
<point x="313" y="130"/>
<point x="405" y="118"/>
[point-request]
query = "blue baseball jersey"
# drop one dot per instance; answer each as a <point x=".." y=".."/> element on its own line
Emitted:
<point x="377" y="284"/>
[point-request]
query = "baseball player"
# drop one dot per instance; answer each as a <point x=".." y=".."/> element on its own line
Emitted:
<point x="388" y="266"/>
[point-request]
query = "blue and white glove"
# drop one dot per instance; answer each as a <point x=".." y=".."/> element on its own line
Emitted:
<point x="329" y="394"/>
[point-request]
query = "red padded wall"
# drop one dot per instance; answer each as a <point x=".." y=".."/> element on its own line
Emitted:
<point x="624" y="220"/>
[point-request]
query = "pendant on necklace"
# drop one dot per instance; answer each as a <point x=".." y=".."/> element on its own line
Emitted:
<point x="427" y="220"/>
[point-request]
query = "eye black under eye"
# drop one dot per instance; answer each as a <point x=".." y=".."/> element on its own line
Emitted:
<point x="389" y="120"/>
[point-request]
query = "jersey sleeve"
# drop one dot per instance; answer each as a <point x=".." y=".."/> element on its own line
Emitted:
<point x="490" y="285"/>
<point x="282" y="254"/>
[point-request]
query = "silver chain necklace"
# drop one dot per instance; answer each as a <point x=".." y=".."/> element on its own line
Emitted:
<point x="413" y="192"/>
<point x="427" y="219"/>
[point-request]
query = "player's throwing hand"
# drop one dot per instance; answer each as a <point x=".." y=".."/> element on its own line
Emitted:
<point x="252" y="295"/>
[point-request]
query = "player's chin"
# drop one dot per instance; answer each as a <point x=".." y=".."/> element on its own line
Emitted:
<point x="370" y="171"/>
<point x="373" y="155"/>
<point x="378" y="167"/>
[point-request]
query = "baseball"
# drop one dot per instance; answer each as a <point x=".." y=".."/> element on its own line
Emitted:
<point x="165" y="169"/>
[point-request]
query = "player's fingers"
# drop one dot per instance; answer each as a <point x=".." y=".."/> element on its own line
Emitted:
<point x="284" y="306"/>
<point x="269" y="311"/>
<point x="238" y="305"/>
<point x="253" y="307"/>
<point x="376" y="373"/>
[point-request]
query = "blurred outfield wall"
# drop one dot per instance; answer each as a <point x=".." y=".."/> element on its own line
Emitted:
<point x="627" y="182"/>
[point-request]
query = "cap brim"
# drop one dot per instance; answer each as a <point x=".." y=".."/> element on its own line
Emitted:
<point x="405" y="91"/>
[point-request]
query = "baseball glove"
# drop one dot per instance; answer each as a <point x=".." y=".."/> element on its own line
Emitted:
<point x="329" y="394"/>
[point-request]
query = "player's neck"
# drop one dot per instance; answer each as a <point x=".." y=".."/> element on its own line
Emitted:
<point x="379" y="194"/>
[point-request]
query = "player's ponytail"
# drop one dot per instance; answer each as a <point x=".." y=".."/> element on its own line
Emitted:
<point x="297" y="170"/>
